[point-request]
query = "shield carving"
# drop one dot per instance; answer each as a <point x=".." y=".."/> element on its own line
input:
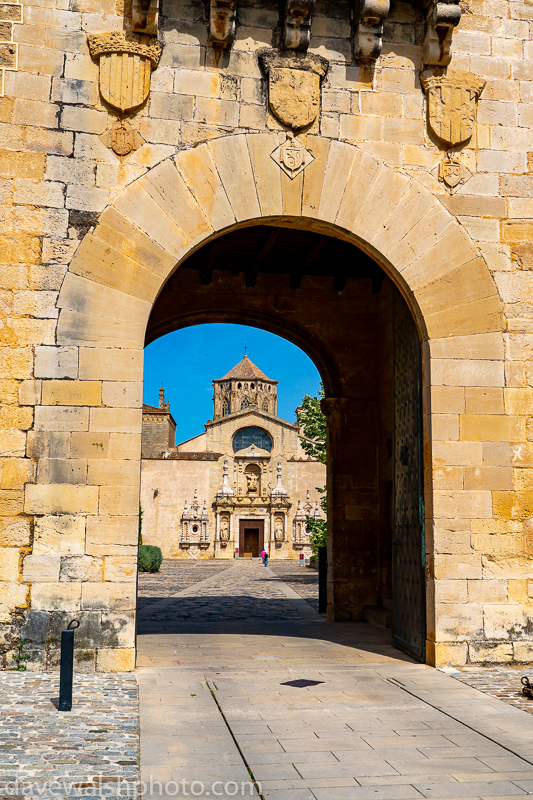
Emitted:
<point x="292" y="157"/>
<point x="294" y="96"/>
<point x="452" y="103"/>
<point x="294" y="87"/>
<point x="122" y="138"/>
<point x="126" y="63"/>
<point x="451" y="172"/>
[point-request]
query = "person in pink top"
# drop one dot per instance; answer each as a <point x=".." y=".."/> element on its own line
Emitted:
<point x="264" y="556"/>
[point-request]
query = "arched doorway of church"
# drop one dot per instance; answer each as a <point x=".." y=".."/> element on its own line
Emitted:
<point x="335" y="303"/>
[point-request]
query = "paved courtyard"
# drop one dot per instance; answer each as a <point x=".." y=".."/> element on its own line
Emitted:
<point x="245" y="688"/>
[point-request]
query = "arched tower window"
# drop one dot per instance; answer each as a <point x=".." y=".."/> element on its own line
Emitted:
<point x="245" y="403"/>
<point x="265" y="404"/>
<point x="225" y="407"/>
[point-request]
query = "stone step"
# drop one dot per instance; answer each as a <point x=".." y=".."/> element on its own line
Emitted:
<point x="381" y="617"/>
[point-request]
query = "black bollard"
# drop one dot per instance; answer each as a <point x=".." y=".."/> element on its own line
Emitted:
<point x="322" y="579"/>
<point x="66" y="667"/>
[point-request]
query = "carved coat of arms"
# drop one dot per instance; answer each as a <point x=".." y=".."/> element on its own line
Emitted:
<point x="291" y="156"/>
<point x="121" y="138"/>
<point x="452" y="100"/>
<point x="294" y="87"/>
<point x="452" y="172"/>
<point x="126" y="63"/>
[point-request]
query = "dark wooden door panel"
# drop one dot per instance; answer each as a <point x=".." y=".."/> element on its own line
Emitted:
<point x="408" y="557"/>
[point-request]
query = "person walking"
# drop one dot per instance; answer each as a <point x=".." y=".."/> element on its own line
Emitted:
<point x="264" y="556"/>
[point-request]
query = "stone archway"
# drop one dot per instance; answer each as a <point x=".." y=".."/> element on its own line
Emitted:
<point x="121" y="267"/>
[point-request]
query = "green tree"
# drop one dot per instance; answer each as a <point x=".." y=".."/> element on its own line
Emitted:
<point x="313" y="424"/>
<point x="314" y="427"/>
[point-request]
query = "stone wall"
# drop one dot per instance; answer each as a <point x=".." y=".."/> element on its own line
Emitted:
<point x="71" y="389"/>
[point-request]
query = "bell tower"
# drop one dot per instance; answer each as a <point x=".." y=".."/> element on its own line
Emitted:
<point x="242" y="387"/>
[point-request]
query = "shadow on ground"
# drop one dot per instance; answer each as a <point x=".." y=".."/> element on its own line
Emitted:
<point x="197" y="616"/>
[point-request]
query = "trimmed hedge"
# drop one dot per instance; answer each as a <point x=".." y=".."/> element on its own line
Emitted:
<point x="150" y="558"/>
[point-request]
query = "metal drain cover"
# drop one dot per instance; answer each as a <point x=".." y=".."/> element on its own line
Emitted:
<point x="301" y="683"/>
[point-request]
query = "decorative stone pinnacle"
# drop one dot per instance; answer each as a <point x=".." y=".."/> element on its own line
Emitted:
<point x="225" y="490"/>
<point x="279" y="491"/>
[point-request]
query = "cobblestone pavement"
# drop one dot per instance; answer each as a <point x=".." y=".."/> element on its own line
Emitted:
<point x="87" y="751"/>
<point x="501" y="682"/>
<point x="244" y="591"/>
<point x="303" y="580"/>
<point x="297" y="708"/>
<point x="175" y="575"/>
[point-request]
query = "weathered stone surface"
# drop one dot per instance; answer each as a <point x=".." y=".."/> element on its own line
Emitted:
<point x="64" y="534"/>
<point x="107" y="535"/>
<point x="41" y="568"/>
<point x="12" y="596"/>
<point x="61" y="499"/>
<point x="9" y="564"/>
<point x="56" y="597"/>
<point x="452" y="102"/>
<point x="116" y="660"/>
<point x="72" y="393"/>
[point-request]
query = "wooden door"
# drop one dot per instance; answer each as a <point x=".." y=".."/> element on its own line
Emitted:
<point x="251" y="536"/>
<point x="408" y="556"/>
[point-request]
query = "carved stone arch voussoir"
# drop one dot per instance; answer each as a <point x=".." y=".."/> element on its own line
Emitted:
<point x="122" y="265"/>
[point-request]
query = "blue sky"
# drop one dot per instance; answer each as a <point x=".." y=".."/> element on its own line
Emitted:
<point x="186" y="361"/>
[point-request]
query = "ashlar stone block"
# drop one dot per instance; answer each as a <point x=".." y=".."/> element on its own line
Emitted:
<point x="41" y="568"/>
<point x="507" y="621"/>
<point x="112" y="536"/>
<point x="104" y="472"/>
<point x="61" y="499"/>
<point x="71" y="393"/>
<point x="9" y="564"/>
<point x="116" y="660"/>
<point x="12" y="596"/>
<point x="56" y="596"/>
<point x="61" y="418"/>
<point x="109" y="363"/>
<point x="492" y="428"/>
<point x="59" y="534"/>
<point x="105" y="596"/>
<point x="123" y="500"/>
<point x="490" y="653"/>
<point x="80" y="568"/>
<point x="120" y="568"/>
<point x="15" y="532"/>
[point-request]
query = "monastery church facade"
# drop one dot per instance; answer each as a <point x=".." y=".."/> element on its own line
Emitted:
<point x="243" y="485"/>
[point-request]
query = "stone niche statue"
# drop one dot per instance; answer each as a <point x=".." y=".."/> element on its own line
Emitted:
<point x="224" y="530"/>
<point x="278" y="530"/>
<point x="252" y="477"/>
<point x="251" y="481"/>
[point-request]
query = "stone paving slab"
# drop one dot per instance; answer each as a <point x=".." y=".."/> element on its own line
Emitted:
<point x="502" y="682"/>
<point x="303" y="580"/>
<point x="47" y="753"/>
